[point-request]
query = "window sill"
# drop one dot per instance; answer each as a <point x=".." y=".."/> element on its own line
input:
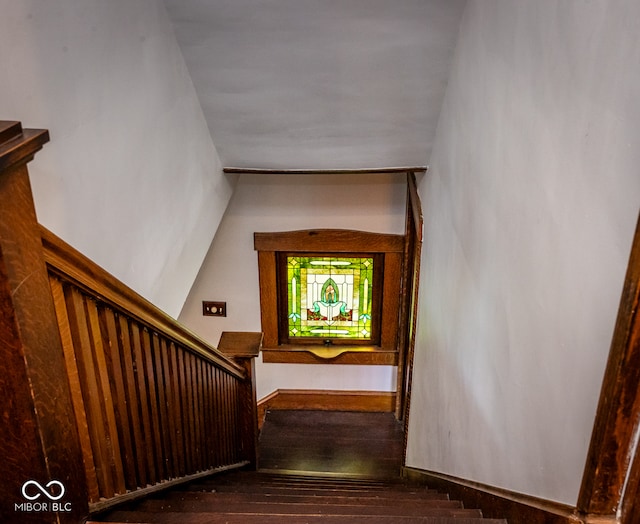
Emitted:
<point x="363" y="355"/>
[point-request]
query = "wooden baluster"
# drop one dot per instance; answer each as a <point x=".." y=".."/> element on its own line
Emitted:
<point x="190" y="410"/>
<point x="113" y="358"/>
<point x="143" y="396"/>
<point x="170" y="419"/>
<point x="229" y="383"/>
<point x="184" y="409"/>
<point x="209" y="415"/>
<point x="221" y="436"/>
<point x="149" y="372"/>
<point x="162" y="387"/>
<point x="177" y="409"/>
<point x="201" y="460"/>
<point x="39" y="436"/>
<point x="133" y="401"/>
<point x="243" y="347"/>
<point x="215" y="412"/>
<point x="206" y="416"/>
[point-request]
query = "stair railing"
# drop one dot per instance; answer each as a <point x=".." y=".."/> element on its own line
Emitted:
<point x="113" y="398"/>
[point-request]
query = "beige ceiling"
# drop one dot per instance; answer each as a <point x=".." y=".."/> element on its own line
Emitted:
<point x="319" y="84"/>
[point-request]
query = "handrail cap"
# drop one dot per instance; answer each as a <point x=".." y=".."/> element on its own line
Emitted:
<point x="240" y="343"/>
<point x="17" y="145"/>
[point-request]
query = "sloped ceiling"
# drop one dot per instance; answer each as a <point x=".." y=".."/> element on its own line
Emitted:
<point x="319" y="84"/>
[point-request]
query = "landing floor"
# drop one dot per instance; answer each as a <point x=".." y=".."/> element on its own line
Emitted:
<point x="332" y="443"/>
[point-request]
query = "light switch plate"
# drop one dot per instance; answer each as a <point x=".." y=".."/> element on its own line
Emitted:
<point x="214" y="309"/>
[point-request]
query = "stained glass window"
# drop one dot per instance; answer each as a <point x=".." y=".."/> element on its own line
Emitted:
<point x="329" y="297"/>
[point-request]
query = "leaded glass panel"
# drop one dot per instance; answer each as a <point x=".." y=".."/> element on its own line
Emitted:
<point x="329" y="297"/>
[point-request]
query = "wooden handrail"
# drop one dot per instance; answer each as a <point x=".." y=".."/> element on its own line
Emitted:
<point x="71" y="265"/>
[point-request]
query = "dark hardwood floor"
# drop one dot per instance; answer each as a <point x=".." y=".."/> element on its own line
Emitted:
<point x="332" y="443"/>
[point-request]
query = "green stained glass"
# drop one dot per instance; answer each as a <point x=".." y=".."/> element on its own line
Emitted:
<point x="329" y="297"/>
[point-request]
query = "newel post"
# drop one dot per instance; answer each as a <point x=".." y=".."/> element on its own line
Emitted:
<point x="244" y="347"/>
<point x="41" y="471"/>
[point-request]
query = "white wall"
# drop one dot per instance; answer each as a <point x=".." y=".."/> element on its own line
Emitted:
<point x="285" y="203"/>
<point x="530" y="203"/>
<point x="131" y="177"/>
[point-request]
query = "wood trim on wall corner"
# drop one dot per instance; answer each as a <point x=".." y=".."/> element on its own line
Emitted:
<point x="611" y="480"/>
<point x="363" y="171"/>
<point x="494" y="502"/>
<point x="327" y="400"/>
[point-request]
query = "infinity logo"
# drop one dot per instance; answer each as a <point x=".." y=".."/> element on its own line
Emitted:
<point x="43" y="490"/>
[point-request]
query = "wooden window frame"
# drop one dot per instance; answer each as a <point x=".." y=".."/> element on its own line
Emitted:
<point x="387" y="248"/>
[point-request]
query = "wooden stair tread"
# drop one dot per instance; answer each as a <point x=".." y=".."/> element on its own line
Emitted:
<point x="302" y="485"/>
<point x="381" y="469"/>
<point x="310" y="481"/>
<point x="311" y="491"/>
<point x="216" y="504"/>
<point x="306" y="482"/>
<point x="286" y="496"/>
<point x="224" y="518"/>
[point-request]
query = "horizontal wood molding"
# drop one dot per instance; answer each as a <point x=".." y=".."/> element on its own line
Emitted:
<point x="71" y="265"/>
<point x="339" y="240"/>
<point x="497" y="502"/>
<point x="334" y="355"/>
<point x="364" y="171"/>
<point x="327" y="400"/>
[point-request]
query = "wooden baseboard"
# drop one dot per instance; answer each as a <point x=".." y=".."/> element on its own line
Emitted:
<point x="327" y="400"/>
<point x="496" y="502"/>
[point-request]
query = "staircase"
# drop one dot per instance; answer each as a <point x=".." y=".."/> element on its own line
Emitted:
<point x="245" y="497"/>
<point x="318" y="466"/>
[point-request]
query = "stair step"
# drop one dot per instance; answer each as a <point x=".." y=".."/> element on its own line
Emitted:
<point x="293" y="476"/>
<point x="310" y="481"/>
<point x="248" y="481"/>
<point x="122" y="517"/>
<point x="287" y="496"/>
<point x="267" y="498"/>
<point x="248" y="490"/>
<point x="251" y="507"/>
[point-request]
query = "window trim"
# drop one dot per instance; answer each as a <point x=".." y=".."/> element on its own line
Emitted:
<point x="336" y="242"/>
